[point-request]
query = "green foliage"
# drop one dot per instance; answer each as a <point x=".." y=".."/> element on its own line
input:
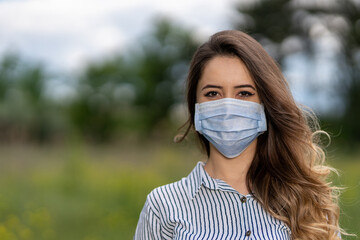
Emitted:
<point x="94" y="111"/>
<point x="73" y="194"/>
<point x="91" y="192"/>
<point x="349" y="179"/>
<point x="270" y="22"/>
<point x="263" y="19"/>
<point x="162" y="66"/>
<point x="24" y="108"/>
<point x="351" y="68"/>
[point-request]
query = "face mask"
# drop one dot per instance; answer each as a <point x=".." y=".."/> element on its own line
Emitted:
<point x="230" y="124"/>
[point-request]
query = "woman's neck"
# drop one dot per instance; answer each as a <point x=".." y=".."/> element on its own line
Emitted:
<point x="233" y="171"/>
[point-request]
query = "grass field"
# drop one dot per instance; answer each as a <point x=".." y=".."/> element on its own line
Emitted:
<point x="91" y="192"/>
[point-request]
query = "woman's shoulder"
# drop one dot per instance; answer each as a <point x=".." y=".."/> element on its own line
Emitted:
<point x="181" y="189"/>
<point x="168" y="199"/>
<point x="170" y="191"/>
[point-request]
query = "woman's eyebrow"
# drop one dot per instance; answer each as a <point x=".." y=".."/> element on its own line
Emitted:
<point x="211" y="86"/>
<point x="220" y="87"/>
<point x="245" y="85"/>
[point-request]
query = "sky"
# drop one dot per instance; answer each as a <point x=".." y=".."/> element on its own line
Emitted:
<point x="66" y="34"/>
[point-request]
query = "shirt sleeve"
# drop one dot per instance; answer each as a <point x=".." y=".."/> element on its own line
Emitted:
<point x="148" y="226"/>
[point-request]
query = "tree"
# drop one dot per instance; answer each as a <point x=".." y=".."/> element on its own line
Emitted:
<point x="161" y="71"/>
<point x="351" y="68"/>
<point x="134" y="90"/>
<point x="94" y="111"/>
<point x="288" y="26"/>
<point x="24" y="109"/>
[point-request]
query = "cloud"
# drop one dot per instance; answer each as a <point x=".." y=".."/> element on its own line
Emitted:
<point x="65" y="33"/>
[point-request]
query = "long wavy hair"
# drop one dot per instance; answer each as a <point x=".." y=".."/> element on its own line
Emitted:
<point x="288" y="173"/>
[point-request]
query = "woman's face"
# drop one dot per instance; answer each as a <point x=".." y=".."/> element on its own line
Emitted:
<point x="226" y="77"/>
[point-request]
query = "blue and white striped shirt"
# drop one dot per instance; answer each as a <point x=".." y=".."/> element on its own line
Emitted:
<point x="201" y="207"/>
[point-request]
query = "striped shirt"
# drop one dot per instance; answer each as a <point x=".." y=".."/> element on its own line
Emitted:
<point x="201" y="207"/>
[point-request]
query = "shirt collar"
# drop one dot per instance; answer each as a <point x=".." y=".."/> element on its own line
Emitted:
<point x="199" y="177"/>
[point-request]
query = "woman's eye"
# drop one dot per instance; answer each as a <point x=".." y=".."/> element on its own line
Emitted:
<point x="211" y="94"/>
<point x="245" y="94"/>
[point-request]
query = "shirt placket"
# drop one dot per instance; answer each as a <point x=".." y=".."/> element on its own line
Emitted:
<point x="246" y="219"/>
<point x="244" y="200"/>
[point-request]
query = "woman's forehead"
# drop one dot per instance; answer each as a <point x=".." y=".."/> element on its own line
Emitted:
<point x="225" y="70"/>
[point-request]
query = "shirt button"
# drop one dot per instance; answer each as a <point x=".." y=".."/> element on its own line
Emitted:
<point x="248" y="233"/>
<point x="243" y="199"/>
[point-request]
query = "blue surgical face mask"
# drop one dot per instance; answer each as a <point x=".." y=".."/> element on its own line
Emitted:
<point x="230" y="124"/>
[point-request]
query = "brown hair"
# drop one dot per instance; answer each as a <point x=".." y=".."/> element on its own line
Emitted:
<point x="287" y="174"/>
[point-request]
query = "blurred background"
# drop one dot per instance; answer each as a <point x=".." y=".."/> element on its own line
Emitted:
<point x="92" y="95"/>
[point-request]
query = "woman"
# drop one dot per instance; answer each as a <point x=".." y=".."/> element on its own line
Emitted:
<point x="265" y="176"/>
